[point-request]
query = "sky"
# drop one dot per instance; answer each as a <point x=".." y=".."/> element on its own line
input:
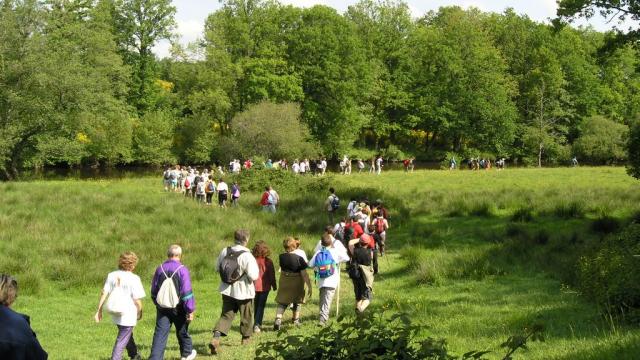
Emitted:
<point x="191" y="14"/>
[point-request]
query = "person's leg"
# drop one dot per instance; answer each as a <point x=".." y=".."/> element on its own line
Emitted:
<point x="245" y="307"/>
<point x="375" y="262"/>
<point x="160" y="335"/>
<point x="296" y="314"/>
<point x="124" y="334"/>
<point x="279" y="312"/>
<point x="326" y="296"/>
<point x="228" y="313"/>
<point x="132" y="348"/>
<point x="260" y="304"/>
<point x="182" y="333"/>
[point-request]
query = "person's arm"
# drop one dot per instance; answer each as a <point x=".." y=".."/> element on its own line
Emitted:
<point x="271" y="273"/>
<point x="103" y="297"/>
<point x="252" y="270"/>
<point x="352" y="244"/>
<point x="186" y="293"/>
<point x="307" y="281"/>
<point x="138" y="304"/>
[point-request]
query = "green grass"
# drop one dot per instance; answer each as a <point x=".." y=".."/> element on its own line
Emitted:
<point x="474" y="256"/>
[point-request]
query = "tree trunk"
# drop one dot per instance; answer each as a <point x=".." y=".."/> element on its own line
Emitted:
<point x="540" y="147"/>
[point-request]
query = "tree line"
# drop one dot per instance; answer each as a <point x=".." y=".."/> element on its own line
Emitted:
<point x="80" y="85"/>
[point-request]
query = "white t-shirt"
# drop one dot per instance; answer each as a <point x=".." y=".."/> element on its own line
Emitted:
<point x="339" y="256"/>
<point x="379" y="162"/>
<point x="295" y="167"/>
<point x="130" y="283"/>
<point x="301" y="253"/>
<point x="222" y="186"/>
<point x="303" y="167"/>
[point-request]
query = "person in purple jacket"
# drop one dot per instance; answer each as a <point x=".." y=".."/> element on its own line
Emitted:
<point x="181" y="315"/>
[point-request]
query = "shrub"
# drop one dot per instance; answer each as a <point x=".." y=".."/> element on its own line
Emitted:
<point x="376" y="337"/>
<point x="605" y="225"/>
<point x="633" y="149"/>
<point x="522" y="215"/>
<point x="602" y="140"/>
<point x="610" y="273"/>
<point x="572" y="210"/>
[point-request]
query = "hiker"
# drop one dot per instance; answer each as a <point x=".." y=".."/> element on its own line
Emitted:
<point x="327" y="271"/>
<point x="370" y="242"/>
<point x="293" y="277"/>
<point x="372" y="165"/>
<point x="335" y="242"/>
<point x="405" y="164"/>
<point x="338" y="230"/>
<point x="200" y="190"/>
<point x="210" y="189"/>
<point x="380" y="225"/>
<point x="378" y="207"/>
<point x="295" y="167"/>
<point x="17" y="339"/>
<point x="452" y="163"/>
<point x="194" y="185"/>
<point x="323" y="165"/>
<point x="188" y="183"/>
<point x="265" y="282"/>
<point x="223" y="189"/>
<point x="238" y="270"/>
<point x="360" y="165"/>
<point x="268" y="200"/>
<point x="248" y="164"/>
<point x="175" y="305"/>
<point x="166" y="178"/>
<point x="352" y="207"/>
<point x="125" y="292"/>
<point x="574" y="161"/>
<point x="235" y="193"/>
<point x="332" y="204"/>
<point x="379" y="165"/>
<point x="273" y="199"/>
<point x="361" y="273"/>
<point x="353" y="230"/>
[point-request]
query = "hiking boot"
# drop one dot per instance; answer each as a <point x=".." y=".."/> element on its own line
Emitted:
<point x="277" y="325"/>
<point x="214" y="346"/>
<point x="245" y="341"/>
<point x="256" y="329"/>
<point x="191" y="356"/>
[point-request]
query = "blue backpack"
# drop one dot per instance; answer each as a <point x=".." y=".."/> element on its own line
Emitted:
<point x="325" y="266"/>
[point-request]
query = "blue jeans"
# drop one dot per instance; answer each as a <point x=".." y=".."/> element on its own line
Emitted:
<point x="164" y="319"/>
<point x="260" y="302"/>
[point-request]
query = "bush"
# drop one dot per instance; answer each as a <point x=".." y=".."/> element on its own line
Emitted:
<point x="572" y="210"/>
<point x="602" y="140"/>
<point x="522" y="215"/>
<point x="633" y="150"/>
<point x="605" y="225"/>
<point x="257" y="179"/>
<point x="377" y="337"/>
<point x="610" y="273"/>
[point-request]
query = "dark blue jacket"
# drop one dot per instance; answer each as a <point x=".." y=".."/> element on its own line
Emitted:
<point x="17" y="340"/>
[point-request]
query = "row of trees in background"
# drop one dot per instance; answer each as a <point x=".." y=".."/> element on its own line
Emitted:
<point x="79" y="84"/>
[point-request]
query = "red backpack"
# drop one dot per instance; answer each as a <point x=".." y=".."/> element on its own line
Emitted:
<point x="379" y="226"/>
<point x="187" y="184"/>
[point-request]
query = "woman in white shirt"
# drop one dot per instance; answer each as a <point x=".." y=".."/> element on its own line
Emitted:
<point x="125" y="292"/>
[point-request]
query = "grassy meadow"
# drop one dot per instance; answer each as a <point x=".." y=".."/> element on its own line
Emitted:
<point x="474" y="257"/>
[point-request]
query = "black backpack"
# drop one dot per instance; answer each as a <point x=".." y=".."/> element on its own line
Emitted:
<point x="229" y="268"/>
<point x="335" y="203"/>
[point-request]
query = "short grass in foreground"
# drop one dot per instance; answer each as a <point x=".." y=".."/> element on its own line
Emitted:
<point x="454" y="261"/>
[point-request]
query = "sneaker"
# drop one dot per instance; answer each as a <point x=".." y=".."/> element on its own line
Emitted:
<point x="256" y="329"/>
<point x="277" y="324"/>
<point x="214" y="346"/>
<point x="191" y="356"/>
<point x="245" y="341"/>
<point x="296" y="322"/>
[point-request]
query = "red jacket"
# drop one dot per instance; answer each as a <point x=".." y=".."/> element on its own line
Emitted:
<point x="357" y="229"/>
<point x="267" y="278"/>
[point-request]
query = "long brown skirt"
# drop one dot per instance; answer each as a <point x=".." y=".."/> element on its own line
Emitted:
<point x="290" y="289"/>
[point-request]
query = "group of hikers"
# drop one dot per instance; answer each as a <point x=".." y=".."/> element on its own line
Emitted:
<point x="200" y="186"/>
<point x="478" y="163"/>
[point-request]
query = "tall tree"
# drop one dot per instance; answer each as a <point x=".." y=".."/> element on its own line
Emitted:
<point x="139" y="25"/>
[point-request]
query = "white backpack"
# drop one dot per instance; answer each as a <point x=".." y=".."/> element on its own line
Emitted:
<point x="167" y="295"/>
<point x="118" y="300"/>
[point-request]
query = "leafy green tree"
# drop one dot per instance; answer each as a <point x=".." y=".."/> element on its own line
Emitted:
<point x="329" y="57"/>
<point x="601" y="140"/>
<point x="139" y="25"/>
<point x="269" y="130"/>
<point x="153" y="138"/>
<point x="383" y="28"/>
<point x="462" y="94"/>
